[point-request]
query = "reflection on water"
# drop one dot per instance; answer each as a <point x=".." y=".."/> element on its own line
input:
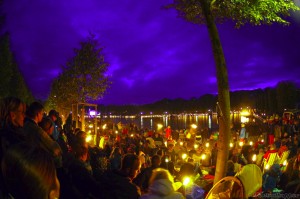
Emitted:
<point x="180" y="121"/>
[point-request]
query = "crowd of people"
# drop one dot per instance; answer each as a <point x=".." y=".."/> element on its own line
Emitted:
<point x="41" y="158"/>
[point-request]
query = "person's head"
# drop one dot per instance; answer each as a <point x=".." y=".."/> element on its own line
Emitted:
<point x="47" y="125"/>
<point x="155" y="160"/>
<point x="81" y="136"/>
<point x="29" y="172"/>
<point x="187" y="169"/>
<point x="261" y="151"/>
<point x="81" y="151"/>
<point x="53" y="115"/>
<point x="130" y="165"/>
<point x="159" y="174"/>
<point x="12" y="112"/>
<point x="35" y="111"/>
<point x="160" y="152"/>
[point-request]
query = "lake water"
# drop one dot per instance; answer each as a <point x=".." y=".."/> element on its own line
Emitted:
<point x="180" y="121"/>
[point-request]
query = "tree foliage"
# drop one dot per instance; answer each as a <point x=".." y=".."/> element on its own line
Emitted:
<point x="256" y="12"/>
<point x="11" y="79"/>
<point x="83" y="77"/>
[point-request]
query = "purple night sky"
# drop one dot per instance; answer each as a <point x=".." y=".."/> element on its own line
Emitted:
<point x="152" y="53"/>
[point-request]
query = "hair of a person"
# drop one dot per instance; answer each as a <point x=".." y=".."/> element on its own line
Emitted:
<point x="29" y="172"/>
<point x="128" y="161"/>
<point x="53" y="113"/>
<point x="33" y="109"/>
<point x="7" y="105"/>
<point x="46" y="124"/>
<point x="80" y="149"/>
<point x="155" y="159"/>
<point x="187" y="169"/>
<point x="159" y="174"/>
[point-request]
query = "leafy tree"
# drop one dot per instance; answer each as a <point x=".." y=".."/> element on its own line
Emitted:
<point x="83" y="78"/>
<point x="6" y="65"/>
<point x="210" y="12"/>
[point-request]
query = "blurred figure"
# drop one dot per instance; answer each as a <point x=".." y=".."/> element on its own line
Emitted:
<point x="142" y="179"/>
<point x="12" y="114"/>
<point x="168" y="132"/>
<point x="271" y="178"/>
<point x="118" y="184"/>
<point x="161" y="186"/>
<point x="191" y="190"/>
<point x="47" y="125"/>
<point x="115" y="159"/>
<point x="81" y="173"/>
<point x="29" y="172"/>
<point x="36" y="135"/>
<point x="53" y="115"/>
<point x="259" y="157"/>
<point x="230" y="168"/>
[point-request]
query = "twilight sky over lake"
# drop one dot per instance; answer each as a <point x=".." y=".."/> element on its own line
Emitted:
<point x="152" y="53"/>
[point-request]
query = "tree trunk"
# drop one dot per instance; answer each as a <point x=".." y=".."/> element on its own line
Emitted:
<point x="223" y="92"/>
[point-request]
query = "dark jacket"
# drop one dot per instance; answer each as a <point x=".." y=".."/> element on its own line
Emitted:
<point x="119" y="186"/>
<point x="83" y="180"/>
<point x="36" y="135"/>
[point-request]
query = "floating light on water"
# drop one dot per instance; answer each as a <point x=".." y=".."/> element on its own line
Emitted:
<point x="194" y="126"/>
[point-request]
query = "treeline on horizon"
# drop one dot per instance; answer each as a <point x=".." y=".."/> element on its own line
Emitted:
<point x="286" y="95"/>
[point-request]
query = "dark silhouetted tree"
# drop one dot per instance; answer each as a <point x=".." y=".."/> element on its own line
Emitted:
<point x="11" y="80"/>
